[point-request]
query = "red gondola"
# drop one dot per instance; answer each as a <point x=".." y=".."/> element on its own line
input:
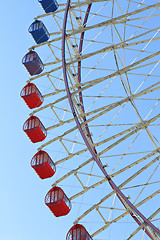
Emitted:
<point x="78" y="232"/>
<point x="34" y="129"/>
<point x="58" y="202"/>
<point x="43" y="165"/>
<point x="32" y="96"/>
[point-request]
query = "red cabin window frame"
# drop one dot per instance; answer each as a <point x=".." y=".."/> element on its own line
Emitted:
<point x="78" y="232"/>
<point x="55" y="195"/>
<point x="40" y="157"/>
<point x="28" y="90"/>
<point x="32" y="123"/>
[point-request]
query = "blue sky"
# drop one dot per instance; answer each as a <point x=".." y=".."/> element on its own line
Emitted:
<point x="23" y="214"/>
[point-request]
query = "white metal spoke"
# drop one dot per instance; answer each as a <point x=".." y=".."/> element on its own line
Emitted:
<point x="109" y="58"/>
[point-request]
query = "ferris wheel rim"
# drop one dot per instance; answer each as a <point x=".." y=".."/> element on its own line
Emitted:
<point x="112" y="184"/>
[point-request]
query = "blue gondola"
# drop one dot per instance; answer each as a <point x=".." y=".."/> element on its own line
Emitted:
<point x="49" y="5"/>
<point x="33" y="63"/>
<point x="39" y="32"/>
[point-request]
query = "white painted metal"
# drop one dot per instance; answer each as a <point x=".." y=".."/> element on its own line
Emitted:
<point x="131" y="46"/>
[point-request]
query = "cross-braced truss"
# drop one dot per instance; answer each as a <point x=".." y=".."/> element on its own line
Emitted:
<point x="112" y="64"/>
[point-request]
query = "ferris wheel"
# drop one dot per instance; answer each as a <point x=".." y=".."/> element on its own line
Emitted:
<point x="94" y="92"/>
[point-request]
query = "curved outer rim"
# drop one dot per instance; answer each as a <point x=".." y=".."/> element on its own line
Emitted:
<point x="79" y="68"/>
<point x="112" y="184"/>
